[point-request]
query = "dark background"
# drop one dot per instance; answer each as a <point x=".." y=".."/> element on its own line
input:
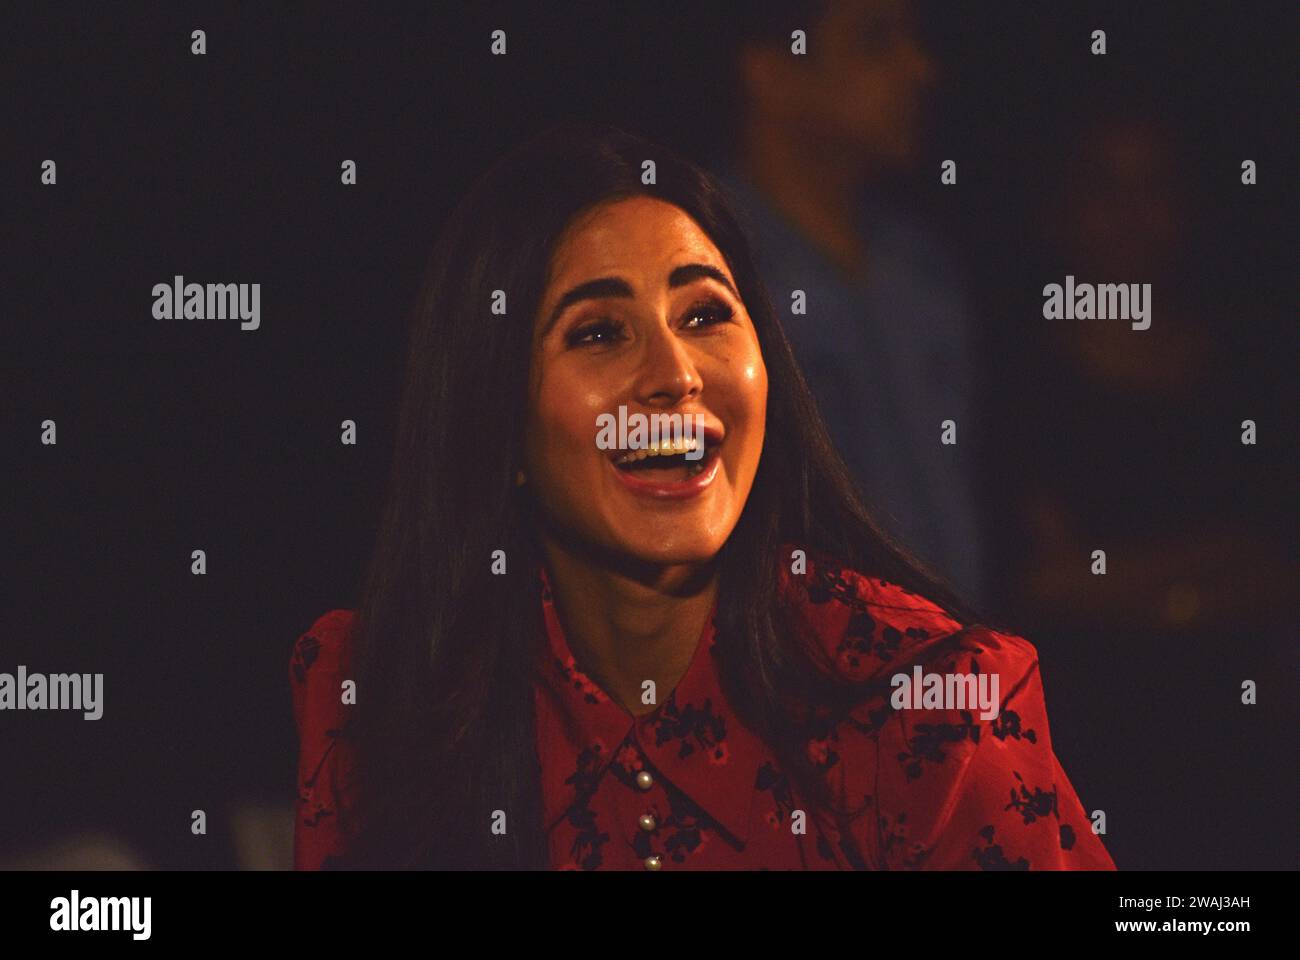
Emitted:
<point x="182" y="434"/>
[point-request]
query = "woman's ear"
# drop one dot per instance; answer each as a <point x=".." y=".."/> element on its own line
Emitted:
<point x="520" y="479"/>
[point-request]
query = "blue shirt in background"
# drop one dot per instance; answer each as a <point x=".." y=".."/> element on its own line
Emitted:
<point x="888" y="357"/>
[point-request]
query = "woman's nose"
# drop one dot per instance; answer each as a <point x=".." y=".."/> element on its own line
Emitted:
<point x="668" y="373"/>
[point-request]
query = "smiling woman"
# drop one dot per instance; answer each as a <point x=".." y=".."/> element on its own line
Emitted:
<point x="656" y="357"/>
<point x="683" y="667"/>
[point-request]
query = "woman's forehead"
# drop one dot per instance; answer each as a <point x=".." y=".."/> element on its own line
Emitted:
<point x="637" y="237"/>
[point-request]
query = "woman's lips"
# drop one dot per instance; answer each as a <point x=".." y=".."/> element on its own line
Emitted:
<point x="672" y="490"/>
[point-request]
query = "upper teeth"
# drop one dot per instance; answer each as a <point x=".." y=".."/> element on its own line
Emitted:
<point x="665" y="448"/>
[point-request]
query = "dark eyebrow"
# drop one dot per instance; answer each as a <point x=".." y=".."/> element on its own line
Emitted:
<point x="616" y="287"/>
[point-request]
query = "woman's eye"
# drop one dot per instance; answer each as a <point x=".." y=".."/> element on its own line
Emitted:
<point x="599" y="332"/>
<point x="711" y="312"/>
<point x="606" y="330"/>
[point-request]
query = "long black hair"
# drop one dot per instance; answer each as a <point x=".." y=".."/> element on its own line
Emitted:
<point x="446" y="651"/>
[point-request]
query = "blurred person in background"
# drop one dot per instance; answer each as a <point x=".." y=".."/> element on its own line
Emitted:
<point x="886" y="343"/>
<point x="1136" y="434"/>
<point x="1130" y="441"/>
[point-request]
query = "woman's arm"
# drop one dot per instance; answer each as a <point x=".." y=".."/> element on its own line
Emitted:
<point x="957" y="791"/>
<point x="317" y="670"/>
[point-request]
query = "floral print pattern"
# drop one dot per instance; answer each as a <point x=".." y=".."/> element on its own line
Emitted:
<point x="690" y="786"/>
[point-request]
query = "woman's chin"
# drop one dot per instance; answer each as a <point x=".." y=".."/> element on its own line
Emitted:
<point x="677" y="549"/>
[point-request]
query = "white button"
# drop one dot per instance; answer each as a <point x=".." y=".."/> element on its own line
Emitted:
<point x="647" y="822"/>
<point x="653" y="863"/>
<point x="644" y="780"/>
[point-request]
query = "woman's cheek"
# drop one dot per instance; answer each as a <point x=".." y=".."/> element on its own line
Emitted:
<point x="568" y="448"/>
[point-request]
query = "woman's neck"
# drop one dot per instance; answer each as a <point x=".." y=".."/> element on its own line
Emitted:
<point x="627" y="627"/>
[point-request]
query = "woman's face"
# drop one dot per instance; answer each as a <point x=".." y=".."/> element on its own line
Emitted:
<point x="658" y="335"/>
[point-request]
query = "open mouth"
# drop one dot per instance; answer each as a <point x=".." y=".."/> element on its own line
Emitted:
<point x="667" y="462"/>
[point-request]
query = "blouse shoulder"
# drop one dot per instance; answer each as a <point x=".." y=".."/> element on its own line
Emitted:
<point x="966" y="772"/>
<point x="319" y="666"/>
<point x="858" y="625"/>
<point x="948" y="756"/>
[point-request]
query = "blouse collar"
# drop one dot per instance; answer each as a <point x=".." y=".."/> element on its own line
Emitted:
<point x="692" y="740"/>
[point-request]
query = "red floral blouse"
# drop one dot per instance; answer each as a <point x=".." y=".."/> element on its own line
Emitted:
<point x="688" y="786"/>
